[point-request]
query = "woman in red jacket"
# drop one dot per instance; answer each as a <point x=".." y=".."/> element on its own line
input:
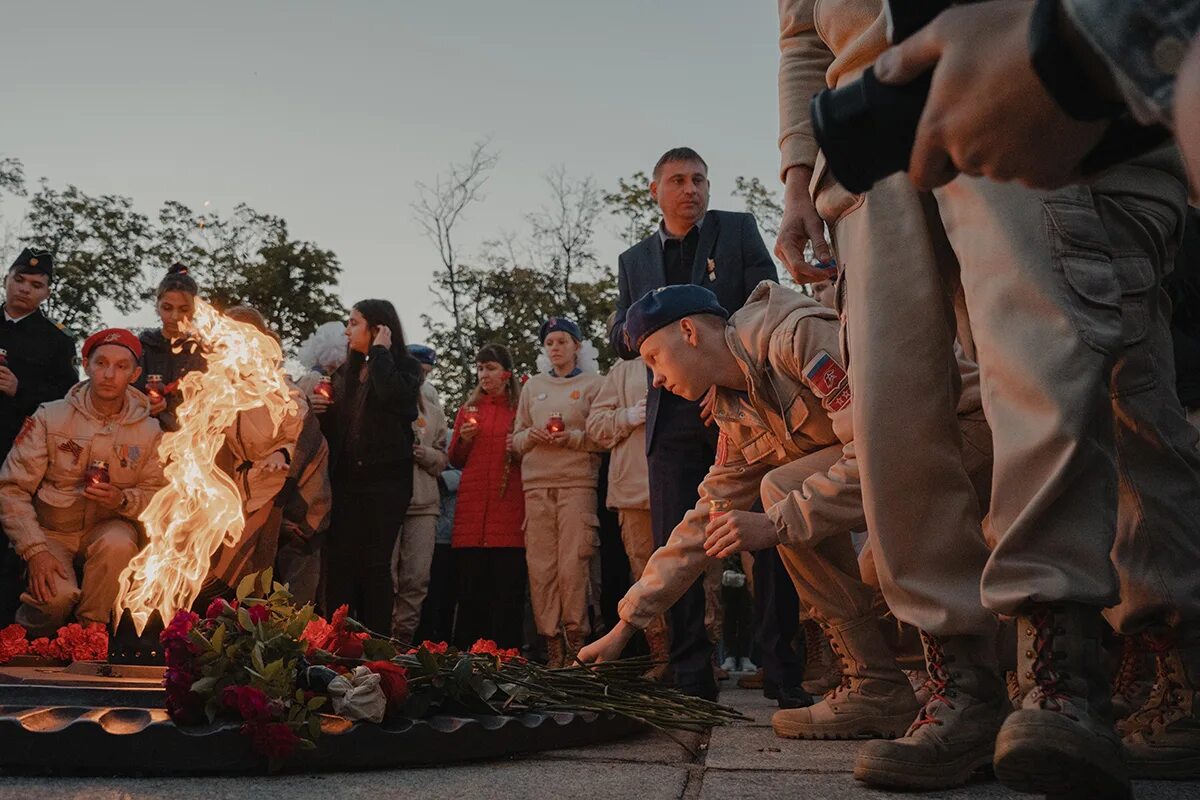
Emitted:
<point x="489" y="539"/>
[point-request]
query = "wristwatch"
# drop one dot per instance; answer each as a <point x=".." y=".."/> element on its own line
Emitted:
<point x="1065" y="79"/>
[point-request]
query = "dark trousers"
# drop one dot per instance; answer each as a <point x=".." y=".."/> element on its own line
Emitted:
<point x="683" y="451"/>
<point x="441" y="599"/>
<point x="614" y="563"/>
<point x="739" y="622"/>
<point x="777" y="620"/>
<point x="491" y="595"/>
<point x="358" y="553"/>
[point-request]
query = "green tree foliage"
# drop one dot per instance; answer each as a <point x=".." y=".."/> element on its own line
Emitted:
<point x="99" y="244"/>
<point x="761" y="202"/>
<point x="632" y="204"/>
<point x="249" y="258"/>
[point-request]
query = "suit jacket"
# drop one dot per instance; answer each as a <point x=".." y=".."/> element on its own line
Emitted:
<point x="740" y="259"/>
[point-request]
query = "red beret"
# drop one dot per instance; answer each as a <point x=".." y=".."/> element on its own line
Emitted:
<point x="118" y="336"/>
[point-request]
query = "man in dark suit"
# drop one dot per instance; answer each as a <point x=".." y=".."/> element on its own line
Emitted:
<point x="723" y="252"/>
<point x="38" y="366"/>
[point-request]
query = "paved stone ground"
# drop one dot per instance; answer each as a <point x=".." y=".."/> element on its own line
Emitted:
<point x="741" y="762"/>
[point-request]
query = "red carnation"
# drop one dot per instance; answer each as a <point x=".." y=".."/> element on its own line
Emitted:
<point x="274" y="740"/>
<point x="437" y="648"/>
<point x="47" y="648"/>
<point x="317" y="633"/>
<point x="250" y="703"/>
<point x="12" y="643"/>
<point x="77" y="643"/>
<point x="259" y="613"/>
<point x="393" y="678"/>
<point x="218" y="607"/>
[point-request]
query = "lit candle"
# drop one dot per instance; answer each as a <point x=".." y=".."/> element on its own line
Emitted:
<point x="472" y="413"/>
<point x="718" y="508"/>
<point x="97" y="473"/>
<point x="555" y="424"/>
<point x="324" y="388"/>
<point x="155" y="388"/>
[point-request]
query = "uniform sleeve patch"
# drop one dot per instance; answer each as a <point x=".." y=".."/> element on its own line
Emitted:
<point x="26" y="427"/>
<point x="824" y="374"/>
<point x="839" y="401"/>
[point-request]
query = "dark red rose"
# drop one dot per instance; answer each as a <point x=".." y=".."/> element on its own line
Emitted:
<point x="250" y="703"/>
<point x="259" y="613"/>
<point x="217" y="607"/>
<point x="394" y="680"/>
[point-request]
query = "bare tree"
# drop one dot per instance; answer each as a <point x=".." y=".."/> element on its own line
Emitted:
<point x="565" y="229"/>
<point x="438" y="210"/>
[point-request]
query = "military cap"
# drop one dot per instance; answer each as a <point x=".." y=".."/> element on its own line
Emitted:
<point x="34" y="262"/>
<point x="118" y="336"/>
<point x="661" y="307"/>
<point x="423" y="353"/>
<point x="560" y="324"/>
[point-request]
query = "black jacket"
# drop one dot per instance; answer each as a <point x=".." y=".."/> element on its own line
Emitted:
<point x="42" y="356"/>
<point x="160" y="358"/>
<point x="381" y="452"/>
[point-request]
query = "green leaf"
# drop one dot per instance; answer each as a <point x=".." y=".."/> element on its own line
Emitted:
<point x="429" y="661"/>
<point x="273" y="669"/>
<point x="204" y="685"/>
<point x="378" y="650"/>
<point x="244" y="619"/>
<point x="315" y="703"/>
<point x="256" y="658"/>
<point x="245" y="587"/>
<point x="265" y="578"/>
<point x="314" y="726"/>
<point x="218" y="638"/>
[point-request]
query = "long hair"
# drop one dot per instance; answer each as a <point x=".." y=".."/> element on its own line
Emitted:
<point x="376" y="313"/>
<point x="498" y="353"/>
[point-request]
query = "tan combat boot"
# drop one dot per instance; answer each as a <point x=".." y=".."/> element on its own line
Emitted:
<point x="1162" y="741"/>
<point x="822" y="669"/>
<point x="554" y="651"/>
<point x="574" y="645"/>
<point x="1061" y="741"/>
<point x="873" y="700"/>
<point x="954" y="733"/>
<point x="660" y="651"/>
<point x="1131" y="684"/>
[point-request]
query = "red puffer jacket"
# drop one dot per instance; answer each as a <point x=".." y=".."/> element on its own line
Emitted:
<point x="484" y="518"/>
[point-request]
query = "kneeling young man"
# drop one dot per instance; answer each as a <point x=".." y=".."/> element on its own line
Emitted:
<point x="60" y="518"/>
<point x="781" y="399"/>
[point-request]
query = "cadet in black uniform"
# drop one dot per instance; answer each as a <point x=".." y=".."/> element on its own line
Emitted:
<point x="39" y="366"/>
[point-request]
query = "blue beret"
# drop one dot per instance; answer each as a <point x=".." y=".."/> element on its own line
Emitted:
<point x="559" y="324"/>
<point x="661" y="307"/>
<point x="426" y="355"/>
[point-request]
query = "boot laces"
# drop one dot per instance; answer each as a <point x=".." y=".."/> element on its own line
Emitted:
<point x="1129" y="670"/>
<point x="1045" y="676"/>
<point x="1163" y="706"/>
<point x="940" y="683"/>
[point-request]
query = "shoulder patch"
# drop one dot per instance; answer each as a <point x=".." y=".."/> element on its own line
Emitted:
<point x="824" y="374"/>
<point x="26" y="427"/>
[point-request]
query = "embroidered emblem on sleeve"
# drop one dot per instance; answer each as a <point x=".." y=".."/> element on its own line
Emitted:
<point x="26" y="427"/>
<point x="828" y="380"/>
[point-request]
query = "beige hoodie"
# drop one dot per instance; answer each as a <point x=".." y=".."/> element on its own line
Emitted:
<point x="430" y="429"/>
<point x="42" y="480"/>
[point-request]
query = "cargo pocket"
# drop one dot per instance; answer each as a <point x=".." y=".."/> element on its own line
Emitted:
<point x="590" y="541"/>
<point x="1083" y="263"/>
<point x="832" y="201"/>
<point x="68" y="519"/>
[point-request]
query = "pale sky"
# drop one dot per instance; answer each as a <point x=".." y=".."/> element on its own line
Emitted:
<point x="327" y="113"/>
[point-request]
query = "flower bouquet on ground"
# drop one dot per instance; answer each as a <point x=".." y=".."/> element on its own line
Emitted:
<point x="276" y="669"/>
<point x="72" y="642"/>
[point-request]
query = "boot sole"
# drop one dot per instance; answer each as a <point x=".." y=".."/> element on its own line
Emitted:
<point x="1042" y="757"/>
<point x="1183" y="768"/>
<point x="864" y="727"/>
<point x="893" y="773"/>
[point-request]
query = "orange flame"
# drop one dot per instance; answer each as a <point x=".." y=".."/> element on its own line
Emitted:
<point x="199" y="508"/>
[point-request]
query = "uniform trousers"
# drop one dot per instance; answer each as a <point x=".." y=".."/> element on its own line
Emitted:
<point x="1039" y="275"/>
<point x="412" y="559"/>
<point x="637" y="534"/>
<point x="560" y="539"/>
<point x="101" y="553"/>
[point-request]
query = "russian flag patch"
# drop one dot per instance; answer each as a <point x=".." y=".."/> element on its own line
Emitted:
<point x="828" y="380"/>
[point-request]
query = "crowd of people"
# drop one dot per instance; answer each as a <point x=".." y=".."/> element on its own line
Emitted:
<point x="966" y="450"/>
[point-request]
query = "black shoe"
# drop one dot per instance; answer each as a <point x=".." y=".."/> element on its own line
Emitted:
<point x="770" y="690"/>
<point x="793" y="697"/>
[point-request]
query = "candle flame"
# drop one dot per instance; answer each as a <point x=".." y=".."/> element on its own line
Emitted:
<point x="199" y="508"/>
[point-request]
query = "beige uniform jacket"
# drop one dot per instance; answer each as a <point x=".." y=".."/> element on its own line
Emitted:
<point x="548" y="466"/>
<point x="430" y="429"/>
<point x="810" y="33"/>
<point x="250" y="440"/>
<point x="42" y="480"/>
<point x="798" y="394"/>
<point x="608" y="426"/>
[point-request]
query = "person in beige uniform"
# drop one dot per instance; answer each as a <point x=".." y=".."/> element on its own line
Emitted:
<point x="1045" y="276"/>
<point x="413" y="556"/>
<point x="560" y="469"/>
<point x="60" y="511"/>
<point x="617" y="422"/>
<point x="782" y="402"/>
